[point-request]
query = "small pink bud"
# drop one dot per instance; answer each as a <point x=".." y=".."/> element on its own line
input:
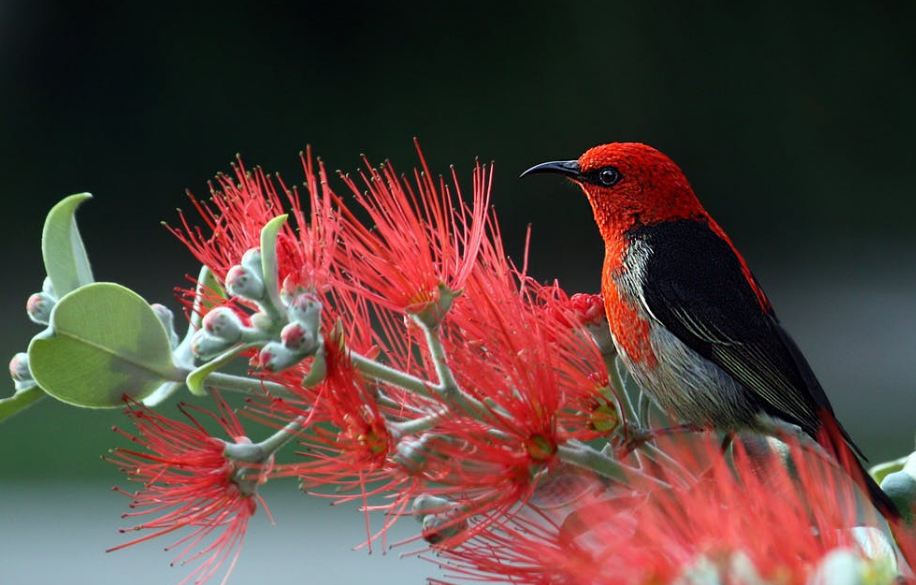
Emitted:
<point x="305" y="308"/>
<point x="588" y="308"/>
<point x="275" y="357"/>
<point x="242" y="282"/>
<point x="222" y="323"/>
<point x="204" y="345"/>
<point x="442" y="528"/>
<point x="39" y="307"/>
<point x="293" y="336"/>
<point x="19" y="370"/>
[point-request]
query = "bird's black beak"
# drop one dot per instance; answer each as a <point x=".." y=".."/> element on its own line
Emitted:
<point x="567" y="168"/>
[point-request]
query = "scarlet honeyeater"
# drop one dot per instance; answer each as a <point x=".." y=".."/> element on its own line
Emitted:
<point x="688" y="318"/>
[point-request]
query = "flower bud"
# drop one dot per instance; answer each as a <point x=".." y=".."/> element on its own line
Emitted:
<point x="205" y="346"/>
<point x="20" y="372"/>
<point x="47" y="287"/>
<point x="412" y="455"/>
<point x="297" y="339"/>
<point x="305" y="309"/>
<point x="438" y="528"/>
<point x="243" y="282"/>
<point x="589" y="309"/>
<point x="39" y="307"/>
<point x="262" y="322"/>
<point x="167" y="318"/>
<point x="274" y="357"/>
<point x="900" y="486"/>
<point x="251" y="260"/>
<point x="223" y="323"/>
<point x="426" y="504"/>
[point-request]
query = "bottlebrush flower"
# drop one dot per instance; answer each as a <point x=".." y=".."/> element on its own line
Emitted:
<point x="189" y="483"/>
<point x="423" y="236"/>
<point x="357" y="441"/>
<point x="240" y="207"/>
<point x="751" y="519"/>
<point x="531" y="380"/>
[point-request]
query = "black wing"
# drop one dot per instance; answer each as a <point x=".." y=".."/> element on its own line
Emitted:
<point x="695" y="287"/>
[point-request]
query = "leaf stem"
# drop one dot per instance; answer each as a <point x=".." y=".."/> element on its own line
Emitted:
<point x="244" y="385"/>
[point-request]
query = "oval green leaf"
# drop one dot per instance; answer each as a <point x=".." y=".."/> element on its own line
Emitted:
<point x="20" y="401"/>
<point x="104" y="342"/>
<point x="62" y="247"/>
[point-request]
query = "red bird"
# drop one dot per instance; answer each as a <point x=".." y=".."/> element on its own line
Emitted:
<point x="688" y="318"/>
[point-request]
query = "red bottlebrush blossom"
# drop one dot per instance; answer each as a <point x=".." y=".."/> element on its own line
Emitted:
<point x="243" y="204"/>
<point x="189" y="483"/>
<point x="348" y="442"/>
<point x="750" y="518"/>
<point x="357" y="442"/>
<point x="423" y="236"/>
<point x="531" y="380"/>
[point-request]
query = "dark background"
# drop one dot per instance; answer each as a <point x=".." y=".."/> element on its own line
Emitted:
<point x="794" y="123"/>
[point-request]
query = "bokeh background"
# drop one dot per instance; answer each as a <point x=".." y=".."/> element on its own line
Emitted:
<point x="794" y="122"/>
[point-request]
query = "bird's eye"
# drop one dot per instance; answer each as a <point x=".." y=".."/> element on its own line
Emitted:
<point x="608" y="176"/>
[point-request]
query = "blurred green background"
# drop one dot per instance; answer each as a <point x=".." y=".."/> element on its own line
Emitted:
<point x="793" y="121"/>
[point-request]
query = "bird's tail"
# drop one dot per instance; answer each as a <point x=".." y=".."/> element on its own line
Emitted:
<point x="836" y="441"/>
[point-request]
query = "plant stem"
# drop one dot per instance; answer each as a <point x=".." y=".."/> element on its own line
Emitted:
<point x="581" y="455"/>
<point x="379" y="372"/>
<point x="244" y="384"/>
<point x="424" y="423"/>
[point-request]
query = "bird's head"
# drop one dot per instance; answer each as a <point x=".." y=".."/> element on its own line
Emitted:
<point x="628" y="184"/>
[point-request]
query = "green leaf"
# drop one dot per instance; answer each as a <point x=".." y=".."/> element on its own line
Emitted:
<point x="104" y="342"/>
<point x="269" y="263"/>
<point x="62" y="248"/>
<point x="20" y="401"/>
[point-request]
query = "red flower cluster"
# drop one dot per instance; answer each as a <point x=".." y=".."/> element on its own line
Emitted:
<point x="751" y="518"/>
<point x="190" y="484"/>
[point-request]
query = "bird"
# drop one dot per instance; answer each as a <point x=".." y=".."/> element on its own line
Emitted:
<point x="688" y="318"/>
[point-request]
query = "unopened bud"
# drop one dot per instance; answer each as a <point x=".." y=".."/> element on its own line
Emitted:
<point x="39" y="307"/>
<point x="251" y="260"/>
<point x="275" y="357"/>
<point x="589" y="309"/>
<point x="243" y="282"/>
<point x="305" y="309"/>
<point x="205" y="346"/>
<point x="412" y="455"/>
<point x="47" y="287"/>
<point x="439" y="528"/>
<point x="167" y="318"/>
<point x="296" y="338"/>
<point x="426" y="504"/>
<point x="223" y="323"/>
<point x="20" y="372"/>
<point x="262" y="322"/>
<point x="900" y="486"/>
